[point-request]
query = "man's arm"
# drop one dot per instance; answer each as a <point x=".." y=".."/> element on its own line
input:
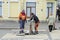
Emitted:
<point x="31" y="18"/>
<point x="19" y="17"/>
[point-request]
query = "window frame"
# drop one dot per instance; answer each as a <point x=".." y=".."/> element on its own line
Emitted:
<point x="30" y="8"/>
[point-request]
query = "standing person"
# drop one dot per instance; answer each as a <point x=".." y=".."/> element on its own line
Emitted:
<point x="35" y="18"/>
<point x="51" y="22"/>
<point x="58" y="13"/>
<point x="22" y="19"/>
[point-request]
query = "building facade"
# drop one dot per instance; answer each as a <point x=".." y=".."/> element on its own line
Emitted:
<point x="9" y="9"/>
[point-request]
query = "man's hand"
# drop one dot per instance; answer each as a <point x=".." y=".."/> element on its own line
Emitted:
<point x="39" y="21"/>
<point x="27" y="21"/>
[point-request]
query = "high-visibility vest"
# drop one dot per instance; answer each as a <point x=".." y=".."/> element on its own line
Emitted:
<point x="22" y="17"/>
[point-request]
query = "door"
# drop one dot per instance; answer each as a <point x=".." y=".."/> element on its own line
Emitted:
<point x="0" y="8"/>
<point x="49" y="8"/>
<point x="28" y="12"/>
<point x="30" y="8"/>
<point x="33" y="10"/>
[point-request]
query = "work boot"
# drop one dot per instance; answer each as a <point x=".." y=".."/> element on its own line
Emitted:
<point x="22" y="31"/>
<point x="31" y="33"/>
<point x="36" y="32"/>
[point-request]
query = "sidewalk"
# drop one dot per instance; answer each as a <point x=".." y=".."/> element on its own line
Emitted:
<point x="11" y="24"/>
<point x="43" y="35"/>
<point x="8" y="24"/>
<point x="13" y="27"/>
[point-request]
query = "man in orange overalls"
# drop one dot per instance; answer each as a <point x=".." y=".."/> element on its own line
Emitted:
<point x="22" y="19"/>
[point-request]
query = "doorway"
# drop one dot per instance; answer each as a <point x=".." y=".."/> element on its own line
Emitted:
<point x="30" y="8"/>
<point x="49" y="8"/>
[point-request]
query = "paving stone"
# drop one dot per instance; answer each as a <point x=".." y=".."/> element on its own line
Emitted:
<point x="12" y="36"/>
<point x="55" y="35"/>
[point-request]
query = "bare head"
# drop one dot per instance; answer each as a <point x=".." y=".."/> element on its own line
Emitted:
<point x="32" y="14"/>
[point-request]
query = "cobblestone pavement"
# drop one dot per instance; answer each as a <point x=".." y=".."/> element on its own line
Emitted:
<point x="9" y="30"/>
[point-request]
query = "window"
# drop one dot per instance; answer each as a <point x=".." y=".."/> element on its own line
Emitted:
<point x="0" y="8"/>
<point x="31" y="0"/>
<point x="30" y="8"/>
<point x="29" y="4"/>
<point x="49" y="8"/>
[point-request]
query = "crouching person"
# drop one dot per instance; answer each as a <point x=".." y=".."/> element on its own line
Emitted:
<point x="51" y="22"/>
<point x="36" y="20"/>
<point x="22" y="19"/>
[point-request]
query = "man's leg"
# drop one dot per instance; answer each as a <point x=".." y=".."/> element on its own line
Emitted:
<point x="36" y="28"/>
<point x="23" y="24"/>
<point x="20" y="22"/>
